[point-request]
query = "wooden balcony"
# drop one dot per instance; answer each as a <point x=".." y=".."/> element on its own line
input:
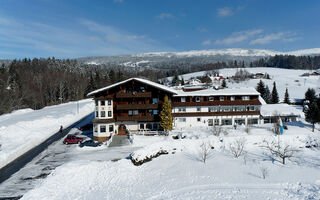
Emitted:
<point x="133" y="94"/>
<point x="199" y="114"/>
<point x="136" y="118"/>
<point x="217" y="103"/>
<point x="136" y="106"/>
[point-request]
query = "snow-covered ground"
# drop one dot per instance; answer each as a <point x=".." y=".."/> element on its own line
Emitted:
<point x="284" y="78"/>
<point x="182" y="175"/>
<point x="23" y="129"/>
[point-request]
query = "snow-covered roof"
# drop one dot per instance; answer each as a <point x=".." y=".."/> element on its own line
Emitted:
<point x="280" y="109"/>
<point x="220" y="92"/>
<point x="156" y="85"/>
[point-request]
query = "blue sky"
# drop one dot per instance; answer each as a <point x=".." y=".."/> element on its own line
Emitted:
<point x="77" y="28"/>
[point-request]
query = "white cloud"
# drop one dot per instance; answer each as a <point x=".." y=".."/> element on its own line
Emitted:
<point x="268" y="38"/>
<point x="165" y="16"/>
<point x="237" y="37"/>
<point x="225" y="12"/>
<point x="82" y="38"/>
<point x="206" y="42"/>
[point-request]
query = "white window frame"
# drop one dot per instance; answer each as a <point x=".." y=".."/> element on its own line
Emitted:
<point x="198" y="109"/>
<point x="245" y="98"/>
<point x="183" y="99"/>
<point x="211" y="98"/>
<point x="221" y="98"/>
<point x="232" y="98"/>
<point x="197" y="99"/>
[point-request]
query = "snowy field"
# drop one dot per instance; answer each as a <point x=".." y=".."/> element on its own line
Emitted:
<point x="23" y="129"/>
<point x="181" y="174"/>
<point x="289" y="78"/>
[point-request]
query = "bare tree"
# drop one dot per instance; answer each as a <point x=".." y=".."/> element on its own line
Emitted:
<point x="264" y="172"/>
<point x="205" y="151"/>
<point x="237" y="147"/>
<point x="276" y="123"/>
<point x="280" y="150"/>
<point x="216" y="130"/>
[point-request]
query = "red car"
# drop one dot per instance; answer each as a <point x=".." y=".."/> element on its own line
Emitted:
<point x="72" y="139"/>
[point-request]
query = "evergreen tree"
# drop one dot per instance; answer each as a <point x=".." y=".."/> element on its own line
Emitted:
<point x="274" y="94"/>
<point x="286" y="97"/>
<point x="182" y="81"/>
<point x="261" y="88"/>
<point x="165" y="115"/>
<point x="112" y="76"/>
<point x="224" y="83"/>
<point x="175" y="80"/>
<point x="267" y="95"/>
<point x="310" y="95"/>
<point x="312" y="113"/>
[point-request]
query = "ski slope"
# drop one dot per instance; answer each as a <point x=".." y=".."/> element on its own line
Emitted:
<point x="284" y="78"/>
<point x="24" y="129"/>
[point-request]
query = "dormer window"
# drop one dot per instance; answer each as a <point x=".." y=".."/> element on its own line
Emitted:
<point x="232" y="98"/>
<point x="183" y="99"/>
<point x="221" y="98"/>
<point x="211" y="98"/>
<point x="197" y="99"/>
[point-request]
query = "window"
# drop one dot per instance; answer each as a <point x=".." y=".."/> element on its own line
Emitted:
<point x="155" y="126"/>
<point x="155" y="100"/>
<point x="95" y="128"/>
<point x="232" y="98"/>
<point x="182" y="119"/>
<point x="96" y="101"/>
<point x="141" y="126"/>
<point x="135" y="112"/>
<point x="129" y="112"/>
<point x="216" y="109"/>
<point x="183" y="99"/>
<point x="198" y="109"/>
<point x="102" y="128"/>
<point x="210" y="109"/>
<point x="155" y="112"/>
<point x="102" y="103"/>
<point x="245" y="98"/>
<point x="109" y="114"/>
<point x="197" y="99"/>
<point x="149" y="126"/>
<point x="103" y="113"/>
<point x="239" y="121"/>
<point x="109" y="102"/>
<point x="252" y="121"/>
<point x="216" y="122"/>
<point x="198" y="119"/>
<point x="97" y="114"/>
<point x="211" y="98"/>
<point x="210" y="122"/>
<point x="110" y="128"/>
<point x="221" y="98"/>
<point x="251" y="108"/>
<point x="182" y="109"/>
<point x="226" y="122"/>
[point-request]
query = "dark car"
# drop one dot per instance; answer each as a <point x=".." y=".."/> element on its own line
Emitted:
<point x="86" y="127"/>
<point x="72" y="139"/>
<point x="89" y="143"/>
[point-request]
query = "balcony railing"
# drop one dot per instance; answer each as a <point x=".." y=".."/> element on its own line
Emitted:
<point x="136" y="106"/>
<point x="133" y="94"/>
<point x="230" y="113"/>
<point x="136" y="118"/>
<point x="215" y="103"/>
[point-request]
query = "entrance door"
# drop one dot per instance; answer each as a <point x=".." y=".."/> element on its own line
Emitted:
<point x="122" y="130"/>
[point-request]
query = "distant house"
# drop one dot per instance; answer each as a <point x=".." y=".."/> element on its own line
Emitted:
<point x="259" y="75"/>
<point x="314" y="74"/>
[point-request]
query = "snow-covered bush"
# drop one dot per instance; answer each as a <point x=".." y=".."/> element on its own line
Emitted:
<point x="312" y="141"/>
<point x="264" y="172"/>
<point x="205" y="151"/>
<point x="280" y="149"/>
<point x="237" y="147"/>
<point x="216" y="130"/>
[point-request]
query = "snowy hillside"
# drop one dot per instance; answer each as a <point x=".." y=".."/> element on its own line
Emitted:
<point x="284" y="78"/>
<point x="24" y="129"/>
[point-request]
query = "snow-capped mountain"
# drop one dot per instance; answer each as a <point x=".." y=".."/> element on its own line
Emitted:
<point x="159" y="60"/>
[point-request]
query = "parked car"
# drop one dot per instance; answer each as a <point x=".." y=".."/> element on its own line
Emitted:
<point x="72" y="139"/>
<point x="90" y="143"/>
<point x="86" y="127"/>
